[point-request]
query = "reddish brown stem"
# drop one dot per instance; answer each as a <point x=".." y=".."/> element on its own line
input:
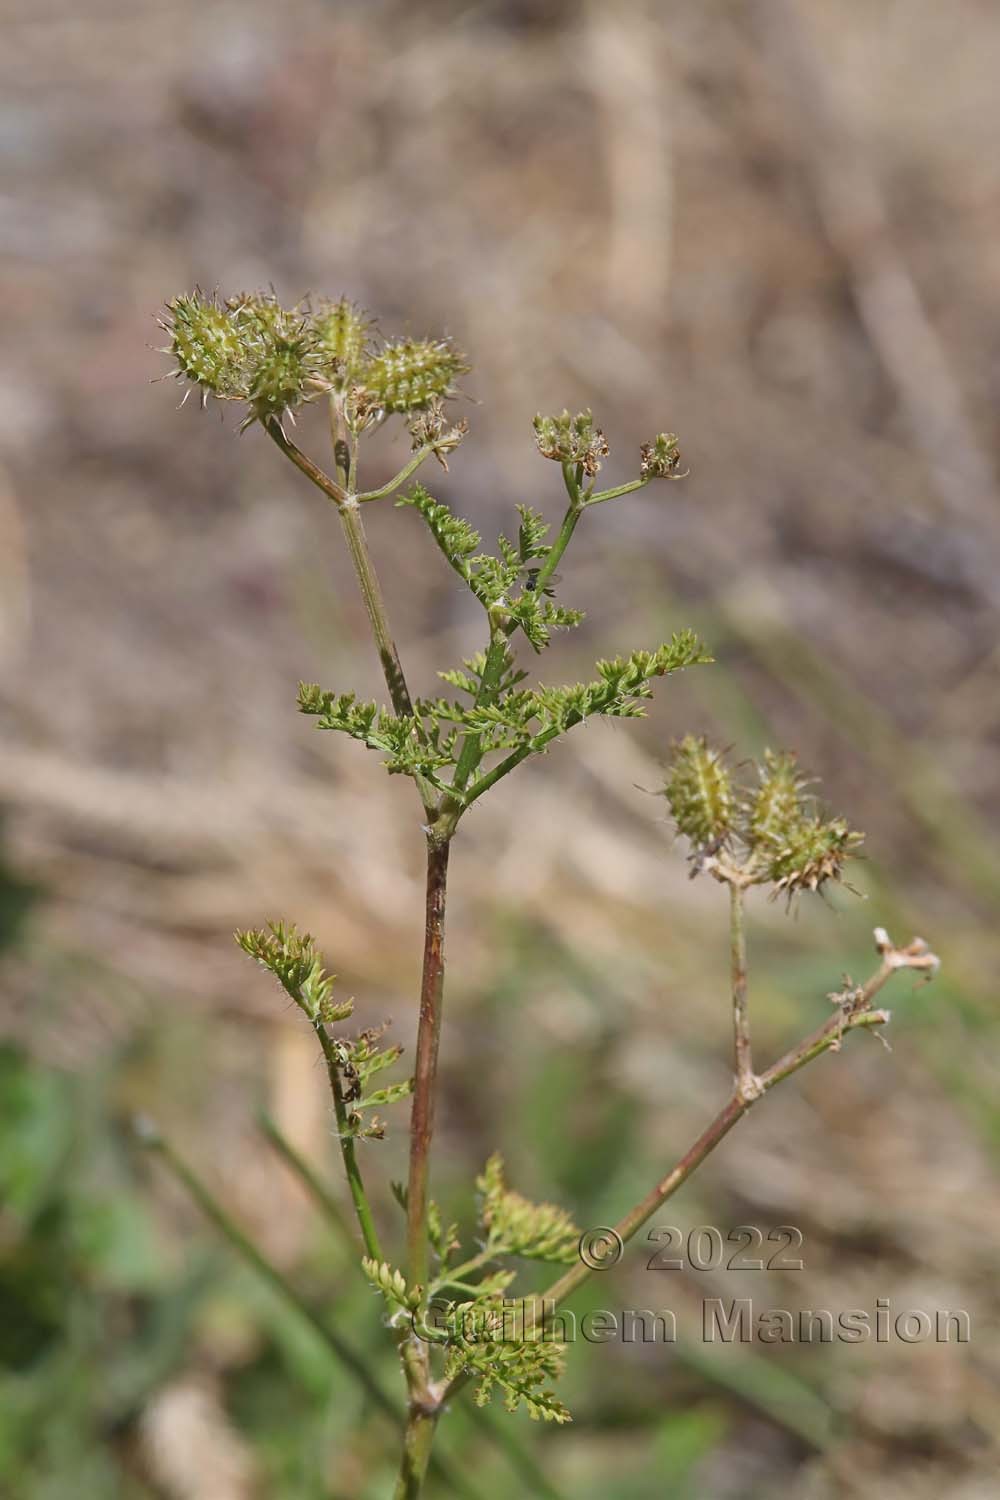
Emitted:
<point x="425" y="1069"/>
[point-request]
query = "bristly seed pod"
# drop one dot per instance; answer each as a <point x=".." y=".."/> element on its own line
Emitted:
<point x="248" y="348"/>
<point x="814" y="853"/>
<point x="342" y="338"/>
<point x="207" y="343"/>
<point x="572" y="440"/>
<point x="700" y="793"/>
<point x="661" y="459"/>
<point x="280" y="355"/>
<point x="775" y="810"/>
<point x="407" y="376"/>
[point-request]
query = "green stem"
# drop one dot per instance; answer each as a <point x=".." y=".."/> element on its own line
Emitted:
<point x="398" y="479"/>
<point x="425" y="1063"/>
<point x="619" y="489"/>
<point x="364" y="568"/>
<point x="371" y="592"/>
<point x="566" y="530"/>
<point x="496" y="659"/>
<point x="418" y="1438"/>
<point x="359" y="1197"/>
<point x="450" y="1275"/>
<point x="392" y="668"/>
<point x="245" y="1247"/>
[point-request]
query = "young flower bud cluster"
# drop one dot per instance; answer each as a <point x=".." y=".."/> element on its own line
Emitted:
<point x="250" y="348"/>
<point x="771" y="834"/>
<point x="572" y="440"/>
<point x="661" y="459"/>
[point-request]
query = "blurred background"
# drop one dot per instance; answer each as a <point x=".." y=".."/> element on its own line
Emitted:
<point x="772" y="228"/>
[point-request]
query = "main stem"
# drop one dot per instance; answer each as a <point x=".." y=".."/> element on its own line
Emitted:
<point x="747" y="1085"/>
<point x="425" y="1067"/>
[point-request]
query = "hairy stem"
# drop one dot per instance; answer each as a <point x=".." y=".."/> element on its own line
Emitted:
<point x="747" y="1086"/>
<point x="425" y="1067"/>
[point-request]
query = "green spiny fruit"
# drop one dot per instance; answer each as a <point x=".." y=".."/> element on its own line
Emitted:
<point x="208" y="344"/>
<point x="775" y="810"/>
<point x="700" y="793"/>
<point x="281" y="357"/>
<point x="341" y="336"/>
<point x="408" y="375"/>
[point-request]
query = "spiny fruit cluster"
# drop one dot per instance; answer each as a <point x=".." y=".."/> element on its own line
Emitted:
<point x="250" y="348"/>
<point x="772" y="833"/>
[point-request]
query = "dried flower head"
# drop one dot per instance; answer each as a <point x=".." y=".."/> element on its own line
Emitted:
<point x="428" y="429"/>
<point x="814" y="853"/>
<point x="661" y="458"/>
<point x="572" y="440"/>
<point x="699" y="790"/>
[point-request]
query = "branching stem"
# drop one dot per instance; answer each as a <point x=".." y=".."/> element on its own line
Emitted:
<point x="410" y="468"/>
<point x="855" y="1013"/>
<point x="320" y="479"/>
